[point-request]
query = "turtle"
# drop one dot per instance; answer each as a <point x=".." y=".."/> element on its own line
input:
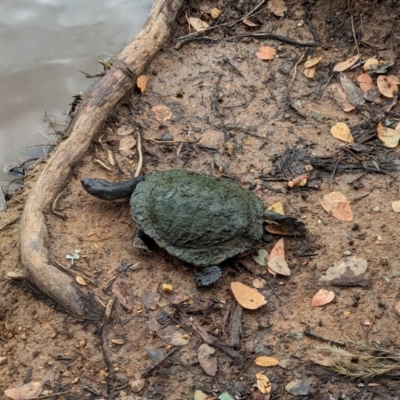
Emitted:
<point x="201" y="219"/>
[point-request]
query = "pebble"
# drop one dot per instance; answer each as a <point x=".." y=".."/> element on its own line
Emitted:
<point x="347" y="253"/>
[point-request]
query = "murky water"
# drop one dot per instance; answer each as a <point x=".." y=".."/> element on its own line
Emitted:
<point x="43" y="44"/>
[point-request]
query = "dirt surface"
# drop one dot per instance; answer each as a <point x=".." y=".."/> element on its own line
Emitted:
<point x="234" y="116"/>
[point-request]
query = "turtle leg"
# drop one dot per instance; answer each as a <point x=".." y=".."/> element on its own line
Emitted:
<point x="287" y="223"/>
<point x="207" y="276"/>
<point x="139" y="243"/>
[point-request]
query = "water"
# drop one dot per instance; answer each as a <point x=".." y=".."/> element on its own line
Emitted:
<point x="43" y="44"/>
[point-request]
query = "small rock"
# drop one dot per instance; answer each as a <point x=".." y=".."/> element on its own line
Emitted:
<point x="166" y="137"/>
<point x="300" y="387"/>
<point x="155" y="354"/>
<point x="347" y="253"/>
<point x="137" y="385"/>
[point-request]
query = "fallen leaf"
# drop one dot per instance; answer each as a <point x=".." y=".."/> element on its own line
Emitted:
<point x="125" y="130"/>
<point x="277" y="7"/>
<point x="342" y="132"/>
<point x="279" y="266"/>
<point x="386" y="86"/>
<point x="390" y="137"/>
<point x="261" y="258"/>
<point x="215" y="13"/>
<point x="348" y="267"/>
<point x="30" y="390"/>
<point x="342" y="66"/>
<point x="247" y="22"/>
<point x="173" y="336"/>
<point x="80" y="280"/>
<point x="117" y="341"/>
<point x="198" y="24"/>
<point x="322" y="297"/>
<point x="367" y="322"/>
<point x="300" y="387"/>
<point x="298" y="181"/>
<point x="373" y="95"/>
<point x="206" y="8"/>
<point x="320" y="359"/>
<point x="126" y="145"/>
<point x="162" y="112"/>
<point x="279" y="249"/>
<point x="341" y="98"/>
<point x="393" y="79"/>
<point x="246" y="296"/>
<point x="264" y="361"/>
<point x="353" y="93"/>
<point x="396" y="206"/>
<point x="141" y="82"/>
<point x="277" y="207"/>
<point x="312" y="62"/>
<point x="208" y="363"/>
<point x="264" y="385"/>
<point x="123" y="292"/>
<point x="365" y="82"/>
<point x="370" y="64"/>
<point x="336" y="204"/>
<point x="199" y="395"/>
<point x="259" y="283"/>
<point x="310" y="72"/>
<point x="266" y="53"/>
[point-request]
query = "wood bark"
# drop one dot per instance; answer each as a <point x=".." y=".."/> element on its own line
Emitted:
<point x="99" y="103"/>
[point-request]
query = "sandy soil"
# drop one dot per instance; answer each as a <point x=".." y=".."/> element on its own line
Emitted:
<point x="233" y="123"/>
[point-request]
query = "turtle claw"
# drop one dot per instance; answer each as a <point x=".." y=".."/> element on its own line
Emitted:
<point x="207" y="276"/>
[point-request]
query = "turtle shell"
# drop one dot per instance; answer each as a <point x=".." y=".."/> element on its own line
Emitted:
<point x="201" y="219"/>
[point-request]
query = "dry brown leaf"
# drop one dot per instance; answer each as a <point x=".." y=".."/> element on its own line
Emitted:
<point x="386" y="86"/>
<point x="336" y="204"/>
<point x="277" y="7"/>
<point x="259" y="283"/>
<point x="264" y="361"/>
<point x="126" y="145"/>
<point x="322" y="297"/>
<point x="247" y="22"/>
<point x="123" y="292"/>
<point x="207" y="362"/>
<point x="199" y="395"/>
<point x="396" y="206"/>
<point x="264" y="385"/>
<point x="141" y="82"/>
<point x="365" y="82"/>
<point x="342" y="132"/>
<point x="278" y="207"/>
<point x="373" y="95"/>
<point x="393" y="79"/>
<point x="312" y="62"/>
<point x="246" y="296"/>
<point x="124" y="130"/>
<point x="80" y="280"/>
<point x="198" y="24"/>
<point x="162" y="112"/>
<point x="266" y="53"/>
<point x="342" y="66"/>
<point x="279" y="249"/>
<point x="278" y="265"/>
<point x="299" y="181"/>
<point x="390" y="137"/>
<point x="30" y="390"/>
<point x="370" y="64"/>
<point x="353" y="93"/>
<point x="341" y="98"/>
<point x="206" y="8"/>
<point x="310" y="72"/>
<point x="215" y="13"/>
<point x="119" y="342"/>
<point x="320" y="359"/>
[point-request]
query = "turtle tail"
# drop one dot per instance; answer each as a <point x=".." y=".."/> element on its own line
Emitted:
<point x="110" y="190"/>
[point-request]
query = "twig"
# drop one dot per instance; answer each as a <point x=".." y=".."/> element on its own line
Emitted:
<point x="140" y="162"/>
<point x="354" y="35"/>
<point x="295" y="67"/>
<point x="273" y="36"/>
<point x="308" y="332"/>
<point x="96" y="160"/>
<point x="153" y="367"/>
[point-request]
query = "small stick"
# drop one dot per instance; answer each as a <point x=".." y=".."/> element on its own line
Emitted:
<point x="295" y="67"/>
<point x="96" y="160"/>
<point x="153" y="367"/>
<point x="308" y="332"/>
<point x="54" y="205"/>
<point x="140" y="163"/>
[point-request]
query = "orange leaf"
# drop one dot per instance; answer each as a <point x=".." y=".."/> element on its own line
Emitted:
<point x="162" y="112"/>
<point x="342" y="132"/>
<point x="278" y="249"/>
<point x="390" y="137"/>
<point x="278" y="265"/>
<point x="141" y="82"/>
<point x="264" y="361"/>
<point x="312" y="62"/>
<point x="266" y="53"/>
<point x="247" y="297"/>
<point x="264" y="385"/>
<point x="365" y="82"/>
<point x="336" y="204"/>
<point x="322" y="297"/>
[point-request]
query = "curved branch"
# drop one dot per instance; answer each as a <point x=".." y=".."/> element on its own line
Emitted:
<point x="88" y="122"/>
